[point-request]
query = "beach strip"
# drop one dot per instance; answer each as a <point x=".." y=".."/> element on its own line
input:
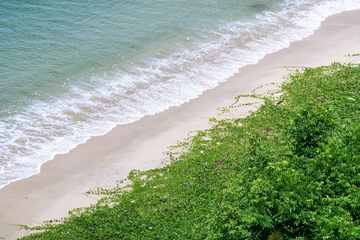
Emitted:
<point x="62" y="182"/>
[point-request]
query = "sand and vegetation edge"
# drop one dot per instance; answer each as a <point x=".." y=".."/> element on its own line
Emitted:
<point x="290" y="170"/>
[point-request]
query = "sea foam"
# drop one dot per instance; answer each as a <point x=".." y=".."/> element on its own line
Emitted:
<point x="152" y="84"/>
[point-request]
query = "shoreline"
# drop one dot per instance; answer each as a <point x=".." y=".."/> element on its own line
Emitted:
<point x="102" y="160"/>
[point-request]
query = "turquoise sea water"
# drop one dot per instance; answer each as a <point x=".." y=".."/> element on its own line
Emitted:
<point x="70" y="70"/>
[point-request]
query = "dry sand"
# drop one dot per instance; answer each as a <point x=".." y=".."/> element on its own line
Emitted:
<point x="102" y="160"/>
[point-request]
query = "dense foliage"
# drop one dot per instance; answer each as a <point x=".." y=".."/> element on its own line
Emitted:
<point x="290" y="170"/>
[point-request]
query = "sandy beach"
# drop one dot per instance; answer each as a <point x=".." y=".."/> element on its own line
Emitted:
<point x="103" y="160"/>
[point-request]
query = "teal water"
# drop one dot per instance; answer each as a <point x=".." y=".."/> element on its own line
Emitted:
<point x="70" y="70"/>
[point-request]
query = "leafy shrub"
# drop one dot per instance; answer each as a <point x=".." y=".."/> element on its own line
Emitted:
<point x="303" y="196"/>
<point x="288" y="170"/>
<point x="309" y="128"/>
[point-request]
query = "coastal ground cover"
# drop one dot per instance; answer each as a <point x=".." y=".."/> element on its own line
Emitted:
<point x="290" y="170"/>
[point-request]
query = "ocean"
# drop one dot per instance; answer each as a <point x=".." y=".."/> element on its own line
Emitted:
<point x="70" y="70"/>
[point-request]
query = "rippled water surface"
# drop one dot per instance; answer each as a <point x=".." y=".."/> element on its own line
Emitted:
<point x="70" y="70"/>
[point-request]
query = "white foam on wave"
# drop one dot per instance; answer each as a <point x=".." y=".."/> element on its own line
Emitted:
<point x="48" y="128"/>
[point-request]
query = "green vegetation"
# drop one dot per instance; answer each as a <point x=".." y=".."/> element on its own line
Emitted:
<point x="352" y="55"/>
<point x="290" y="170"/>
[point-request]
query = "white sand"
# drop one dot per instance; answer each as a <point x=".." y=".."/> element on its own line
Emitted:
<point x="101" y="161"/>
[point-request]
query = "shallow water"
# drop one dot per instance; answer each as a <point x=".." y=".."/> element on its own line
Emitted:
<point x="70" y="70"/>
